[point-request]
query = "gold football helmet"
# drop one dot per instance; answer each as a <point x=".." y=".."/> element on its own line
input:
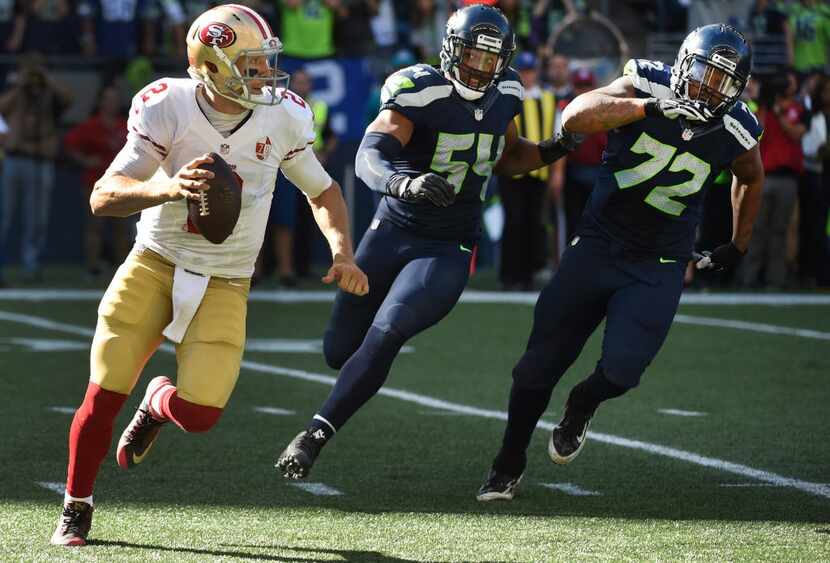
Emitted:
<point x="232" y="50"/>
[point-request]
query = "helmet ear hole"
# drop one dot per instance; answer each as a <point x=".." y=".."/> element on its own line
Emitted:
<point x="211" y="67"/>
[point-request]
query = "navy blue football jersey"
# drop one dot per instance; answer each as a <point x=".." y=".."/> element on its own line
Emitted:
<point x="460" y="140"/>
<point x="649" y="194"/>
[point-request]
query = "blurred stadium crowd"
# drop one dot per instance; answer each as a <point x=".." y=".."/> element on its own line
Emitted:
<point x="70" y="67"/>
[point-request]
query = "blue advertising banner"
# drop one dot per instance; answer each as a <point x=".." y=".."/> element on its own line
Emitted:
<point x="344" y="85"/>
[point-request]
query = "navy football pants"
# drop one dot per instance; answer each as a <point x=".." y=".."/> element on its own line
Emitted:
<point x="595" y="280"/>
<point x="413" y="283"/>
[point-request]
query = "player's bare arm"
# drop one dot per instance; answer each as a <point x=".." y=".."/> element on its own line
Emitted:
<point x="605" y="108"/>
<point x="521" y="156"/>
<point x="747" y="184"/>
<point x="119" y="195"/>
<point x="616" y="105"/>
<point x="329" y="210"/>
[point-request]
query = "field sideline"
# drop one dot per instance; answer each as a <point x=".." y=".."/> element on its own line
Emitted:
<point x="708" y="464"/>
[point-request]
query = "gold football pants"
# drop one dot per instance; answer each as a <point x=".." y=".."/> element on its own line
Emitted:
<point x="133" y="313"/>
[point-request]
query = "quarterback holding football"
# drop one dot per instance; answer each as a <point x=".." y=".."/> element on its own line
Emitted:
<point x="176" y="283"/>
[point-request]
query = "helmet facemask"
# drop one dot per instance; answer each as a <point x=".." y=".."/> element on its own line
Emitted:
<point x="474" y="67"/>
<point x="251" y="78"/>
<point x="709" y="80"/>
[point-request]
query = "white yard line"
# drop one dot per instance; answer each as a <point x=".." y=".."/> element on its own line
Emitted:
<point x="817" y="489"/>
<point x="318" y="489"/>
<point x="62" y="410"/>
<point x="469" y="296"/>
<point x="274" y="410"/>
<point x="752" y="327"/>
<point x="53" y="486"/>
<point x="571" y="489"/>
<point x="678" y="412"/>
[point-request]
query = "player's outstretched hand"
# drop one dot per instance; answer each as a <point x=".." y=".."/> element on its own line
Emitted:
<point x="190" y="180"/>
<point x="348" y="275"/>
<point x="431" y="187"/>
<point x="672" y="109"/>
<point x="723" y="257"/>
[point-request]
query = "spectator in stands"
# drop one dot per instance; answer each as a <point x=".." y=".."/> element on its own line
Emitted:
<point x="353" y="31"/>
<point x="781" y="116"/>
<point x="559" y="77"/>
<point x="582" y="165"/>
<point x="12" y="24"/>
<point x="39" y="19"/>
<point x="32" y="106"/>
<point x="117" y="28"/>
<point x="813" y="251"/>
<point x="94" y="144"/>
<point x="427" y="22"/>
<point x="766" y="18"/>
<point x="808" y="35"/>
<point x="523" y="238"/>
<point x="165" y="28"/>
<point x="307" y="28"/>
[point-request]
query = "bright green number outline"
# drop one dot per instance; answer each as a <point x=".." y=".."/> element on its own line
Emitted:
<point x="450" y="143"/>
<point x="661" y="197"/>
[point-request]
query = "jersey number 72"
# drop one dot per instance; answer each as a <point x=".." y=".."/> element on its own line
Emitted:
<point x="661" y="154"/>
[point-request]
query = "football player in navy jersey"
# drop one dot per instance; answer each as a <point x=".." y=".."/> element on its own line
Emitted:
<point x="430" y="152"/>
<point x="671" y="131"/>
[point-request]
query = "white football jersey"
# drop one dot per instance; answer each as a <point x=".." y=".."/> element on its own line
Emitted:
<point x="166" y="122"/>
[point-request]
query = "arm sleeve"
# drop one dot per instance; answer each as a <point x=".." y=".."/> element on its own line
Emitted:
<point x="305" y="138"/>
<point x="134" y="162"/>
<point x="148" y="125"/>
<point x="308" y="174"/>
<point x="649" y="78"/>
<point x="373" y="163"/>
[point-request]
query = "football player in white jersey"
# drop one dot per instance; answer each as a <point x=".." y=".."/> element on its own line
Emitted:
<point x="175" y="283"/>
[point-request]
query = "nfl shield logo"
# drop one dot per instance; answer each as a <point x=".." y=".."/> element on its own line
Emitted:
<point x="479" y="113"/>
<point x="224" y="148"/>
<point x="687" y="135"/>
<point x="263" y="148"/>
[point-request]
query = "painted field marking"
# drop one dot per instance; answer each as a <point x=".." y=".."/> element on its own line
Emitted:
<point x="818" y="489"/>
<point x="469" y="296"/>
<point x="752" y="327"/>
<point x="318" y="489"/>
<point x="46" y="344"/>
<point x="53" y="486"/>
<point x="62" y="410"/>
<point x="438" y="412"/>
<point x="678" y="412"/>
<point x="274" y="410"/>
<point x="571" y="489"/>
<point x="293" y="346"/>
<point x="756" y="484"/>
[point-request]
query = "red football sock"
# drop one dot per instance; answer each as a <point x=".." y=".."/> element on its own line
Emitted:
<point x="188" y="416"/>
<point x="89" y="438"/>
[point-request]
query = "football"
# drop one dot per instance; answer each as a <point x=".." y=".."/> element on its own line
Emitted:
<point x="215" y="214"/>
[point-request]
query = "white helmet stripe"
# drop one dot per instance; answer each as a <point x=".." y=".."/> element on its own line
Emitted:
<point x="263" y="26"/>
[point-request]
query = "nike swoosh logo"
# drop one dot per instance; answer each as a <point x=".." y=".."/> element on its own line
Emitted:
<point x="464" y="248"/>
<point x="139" y="458"/>
<point x="666" y="260"/>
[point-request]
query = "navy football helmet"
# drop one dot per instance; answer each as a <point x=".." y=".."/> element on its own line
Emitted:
<point x="477" y="48"/>
<point x="713" y="66"/>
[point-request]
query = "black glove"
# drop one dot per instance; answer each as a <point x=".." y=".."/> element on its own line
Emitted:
<point x="723" y="257"/>
<point x="428" y="186"/>
<point x="672" y="109"/>
<point x="559" y="145"/>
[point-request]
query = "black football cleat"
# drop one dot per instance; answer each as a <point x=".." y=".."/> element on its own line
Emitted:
<point x="73" y="525"/>
<point x="297" y="458"/>
<point x="568" y="437"/>
<point x="498" y="486"/>
<point x="142" y="431"/>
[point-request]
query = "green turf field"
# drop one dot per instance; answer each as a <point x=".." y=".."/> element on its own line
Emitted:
<point x="741" y="473"/>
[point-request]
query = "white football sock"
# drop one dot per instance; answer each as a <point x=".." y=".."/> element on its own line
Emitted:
<point x="67" y="498"/>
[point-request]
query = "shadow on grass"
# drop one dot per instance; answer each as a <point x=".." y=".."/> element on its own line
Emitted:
<point x="346" y="554"/>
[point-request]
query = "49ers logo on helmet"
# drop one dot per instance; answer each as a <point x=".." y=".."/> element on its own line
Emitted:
<point x="217" y="33"/>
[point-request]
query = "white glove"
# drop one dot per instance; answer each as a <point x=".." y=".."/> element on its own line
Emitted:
<point x="672" y="109"/>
